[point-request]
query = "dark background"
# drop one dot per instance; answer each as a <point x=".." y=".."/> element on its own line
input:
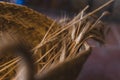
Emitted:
<point x="58" y="8"/>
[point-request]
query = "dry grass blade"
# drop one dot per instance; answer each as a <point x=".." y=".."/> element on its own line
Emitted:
<point x="98" y="9"/>
<point x="11" y="64"/>
<point x="63" y="53"/>
<point x="49" y="63"/>
<point x="5" y="75"/>
<point x="44" y="38"/>
<point x="46" y="53"/>
<point x="54" y="45"/>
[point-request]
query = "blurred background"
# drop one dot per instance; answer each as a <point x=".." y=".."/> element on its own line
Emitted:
<point x="104" y="62"/>
<point x="58" y="8"/>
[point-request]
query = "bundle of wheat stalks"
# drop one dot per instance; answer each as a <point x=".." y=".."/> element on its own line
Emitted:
<point x="52" y="43"/>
